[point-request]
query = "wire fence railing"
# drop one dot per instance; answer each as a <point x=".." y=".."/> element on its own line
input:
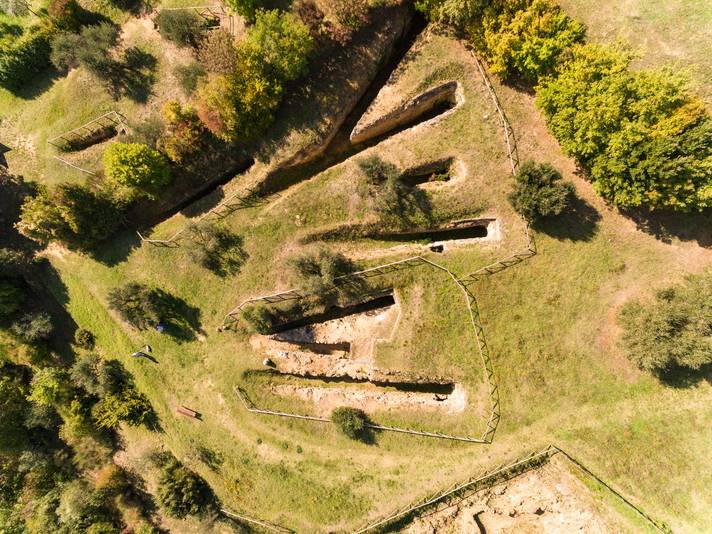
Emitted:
<point x="94" y="131"/>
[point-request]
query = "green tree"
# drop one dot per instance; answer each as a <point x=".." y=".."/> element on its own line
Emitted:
<point x="71" y="214"/>
<point x="317" y="273"/>
<point x="135" y="170"/>
<point x="217" y="249"/>
<point x="246" y="8"/>
<point x="539" y="191"/>
<point x="183" y="27"/>
<point x="524" y="37"/>
<point x="90" y="49"/>
<point x="240" y="106"/>
<point x="49" y="387"/>
<point x="137" y="304"/>
<point x="183" y="492"/>
<point x="351" y="422"/>
<point x="279" y="43"/>
<point x="13" y="408"/>
<point x="128" y="406"/>
<point x="455" y="12"/>
<point x="33" y="327"/>
<point x="184" y="135"/>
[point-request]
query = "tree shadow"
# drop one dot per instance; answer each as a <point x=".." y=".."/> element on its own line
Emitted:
<point x="578" y="223"/>
<point x="182" y="320"/>
<point x="684" y="377"/>
<point x="115" y="250"/>
<point x="667" y="225"/>
<point x="39" y="83"/>
<point x="133" y="76"/>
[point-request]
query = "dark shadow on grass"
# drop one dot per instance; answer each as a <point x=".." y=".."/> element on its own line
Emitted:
<point x="684" y="377"/>
<point x="579" y="223"/>
<point x="117" y="248"/>
<point x="38" y="85"/>
<point x="668" y="225"/>
<point x="182" y="320"/>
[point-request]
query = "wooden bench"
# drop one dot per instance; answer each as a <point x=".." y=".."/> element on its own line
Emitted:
<point x="188" y="412"/>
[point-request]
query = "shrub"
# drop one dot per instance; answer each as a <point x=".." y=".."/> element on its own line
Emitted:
<point x="184" y="134"/>
<point x="71" y="214"/>
<point x="524" y="37"/>
<point x="67" y="14"/>
<point x="539" y="191"/>
<point x="98" y="376"/>
<point x="217" y="52"/>
<point x="217" y="249"/>
<point x="377" y="170"/>
<point x="84" y="339"/>
<point x="135" y="169"/>
<point x="352" y="14"/>
<point x="128" y="406"/>
<point x="33" y="327"/>
<point x="350" y="421"/>
<point x="183" y="492"/>
<point x="147" y="132"/>
<point x="137" y="304"/>
<point x="183" y="27"/>
<point x="11" y="297"/>
<point x="23" y="58"/>
<point x="674" y="330"/>
<point x="13" y="402"/>
<point x="317" y="274"/>
<point x="312" y="17"/>
<point x="188" y="76"/>
<point x="644" y="139"/>
<point x="240" y="106"/>
<point x="279" y="44"/>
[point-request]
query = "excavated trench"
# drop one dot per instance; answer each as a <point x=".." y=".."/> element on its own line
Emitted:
<point x="436" y="172"/>
<point x="336" y="312"/>
<point x="471" y="230"/>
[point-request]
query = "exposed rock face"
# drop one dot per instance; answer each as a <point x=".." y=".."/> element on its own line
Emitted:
<point x="411" y="110"/>
<point x="549" y="500"/>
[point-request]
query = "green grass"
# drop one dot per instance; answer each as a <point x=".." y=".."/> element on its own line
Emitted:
<point x="549" y="323"/>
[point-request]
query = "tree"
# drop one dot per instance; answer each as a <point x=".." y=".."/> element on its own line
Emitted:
<point x="71" y="214"/>
<point x="49" y="387"/>
<point x="672" y="331"/>
<point x="184" y="135"/>
<point x="137" y="304"/>
<point x="278" y="43"/>
<point x="351" y="422"/>
<point x="23" y="56"/>
<point x="524" y="36"/>
<point x="645" y="140"/>
<point x="240" y="106"/>
<point x="217" y="249"/>
<point x="183" y="27"/>
<point x="539" y="191"/>
<point x="455" y="12"/>
<point x="217" y="52"/>
<point x="33" y="327"/>
<point x="183" y="492"/>
<point x="318" y="275"/>
<point x="127" y="406"/>
<point x="246" y="8"/>
<point x="84" y="339"/>
<point x="90" y="49"/>
<point x="135" y="169"/>
<point x="13" y="408"/>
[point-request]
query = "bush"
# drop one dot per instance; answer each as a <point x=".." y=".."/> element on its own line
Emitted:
<point x="147" y="132"/>
<point x="135" y="170"/>
<point x="183" y="27"/>
<point x="674" y="330"/>
<point x="24" y="57"/>
<point x="350" y="421"/>
<point x="137" y="304"/>
<point x="33" y="327"/>
<point x="352" y="14"/>
<point x="71" y="214"/>
<point x="217" y="249"/>
<point x="184" y="135"/>
<point x="455" y="12"/>
<point x="188" y="76"/>
<point x="217" y="52"/>
<point x="128" y="406"/>
<point x="644" y="139"/>
<point x="49" y="387"/>
<point x="98" y="376"/>
<point x="67" y="14"/>
<point x="317" y="274"/>
<point x="84" y="339"/>
<point x="377" y="170"/>
<point x="524" y="37"/>
<point x="183" y="492"/>
<point x="279" y="44"/>
<point x="539" y="191"/>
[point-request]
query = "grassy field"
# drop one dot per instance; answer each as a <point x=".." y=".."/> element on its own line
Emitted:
<point x="550" y="323"/>
<point x="665" y="32"/>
